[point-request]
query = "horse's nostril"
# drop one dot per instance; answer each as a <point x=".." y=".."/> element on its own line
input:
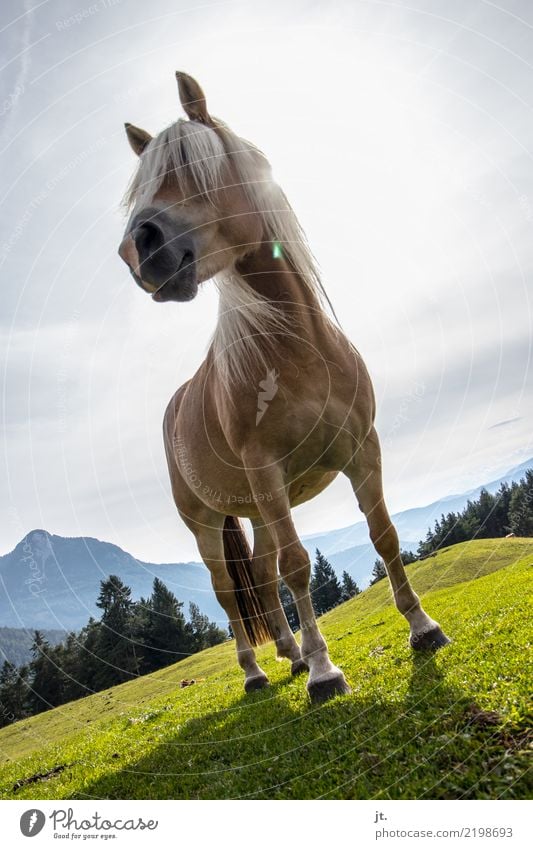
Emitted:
<point x="148" y="238"/>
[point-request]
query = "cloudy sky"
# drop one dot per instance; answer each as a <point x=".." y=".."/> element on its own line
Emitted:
<point x="401" y="131"/>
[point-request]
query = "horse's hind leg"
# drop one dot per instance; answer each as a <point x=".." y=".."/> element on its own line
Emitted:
<point x="265" y="571"/>
<point x="211" y="547"/>
<point x="365" y="477"/>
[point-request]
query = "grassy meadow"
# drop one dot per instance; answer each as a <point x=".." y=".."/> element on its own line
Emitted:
<point x="450" y="725"/>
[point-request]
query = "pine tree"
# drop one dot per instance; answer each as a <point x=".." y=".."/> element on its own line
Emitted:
<point x="502" y="503"/>
<point x="521" y="507"/>
<point x="349" y="587"/>
<point x="407" y="557"/>
<point x="46" y="681"/>
<point x="87" y="663"/>
<point x="202" y="632"/>
<point x="378" y="572"/>
<point x="13" y="693"/>
<point x="163" y="628"/>
<point x="69" y="660"/>
<point x="325" y="588"/>
<point x="115" y="646"/>
<point x="288" y="605"/>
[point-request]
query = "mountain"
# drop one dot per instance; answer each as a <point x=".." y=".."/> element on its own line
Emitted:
<point x="349" y="548"/>
<point x="15" y="643"/>
<point x="49" y="581"/>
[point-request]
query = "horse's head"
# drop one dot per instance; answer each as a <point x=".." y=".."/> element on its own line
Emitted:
<point x="196" y="201"/>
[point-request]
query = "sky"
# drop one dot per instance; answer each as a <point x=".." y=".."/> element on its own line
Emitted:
<point x="402" y="133"/>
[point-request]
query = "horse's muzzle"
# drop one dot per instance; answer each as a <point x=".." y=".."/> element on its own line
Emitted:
<point x="161" y="261"/>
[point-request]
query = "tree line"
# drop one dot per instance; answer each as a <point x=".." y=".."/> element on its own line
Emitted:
<point x="508" y="511"/>
<point x="326" y="590"/>
<point x="131" y="638"/>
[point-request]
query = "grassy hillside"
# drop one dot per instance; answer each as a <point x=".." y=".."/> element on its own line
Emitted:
<point x="450" y="725"/>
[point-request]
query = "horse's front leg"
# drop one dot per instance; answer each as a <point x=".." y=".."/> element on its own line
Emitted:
<point x="211" y="546"/>
<point x="325" y="679"/>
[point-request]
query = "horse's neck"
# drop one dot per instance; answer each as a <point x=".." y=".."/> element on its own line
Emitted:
<point x="268" y="316"/>
<point x="273" y="279"/>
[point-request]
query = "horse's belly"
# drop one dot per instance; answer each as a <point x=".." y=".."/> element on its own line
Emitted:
<point x="308" y="486"/>
<point x="226" y="490"/>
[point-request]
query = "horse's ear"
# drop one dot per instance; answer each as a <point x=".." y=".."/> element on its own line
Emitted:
<point x="192" y="98"/>
<point x="137" y="138"/>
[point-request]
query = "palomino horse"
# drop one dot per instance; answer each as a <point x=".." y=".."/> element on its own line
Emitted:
<point x="282" y="401"/>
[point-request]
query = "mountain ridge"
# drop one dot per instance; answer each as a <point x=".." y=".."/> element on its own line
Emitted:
<point x="50" y="581"/>
<point x="412" y="523"/>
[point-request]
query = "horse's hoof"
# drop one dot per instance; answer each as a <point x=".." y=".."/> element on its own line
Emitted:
<point x="257" y="683"/>
<point x="326" y="688"/>
<point x="430" y="640"/>
<point x="299" y="666"/>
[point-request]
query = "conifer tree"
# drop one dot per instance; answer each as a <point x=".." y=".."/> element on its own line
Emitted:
<point x="13" y="693"/>
<point x="325" y="588"/>
<point x="378" y="572"/>
<point x="349" y="587"/>
<point x="163" y="633"/>
<point x="115" y="646"/>
<point x="288" y="604"/>
<point x="46" y="683"/>
<point x="202" y="632"/>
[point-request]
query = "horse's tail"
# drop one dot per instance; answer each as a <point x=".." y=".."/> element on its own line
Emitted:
<point x="239" y="563"/>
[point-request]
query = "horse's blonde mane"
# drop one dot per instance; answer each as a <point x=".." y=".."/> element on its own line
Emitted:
<point x="194" y="154"/>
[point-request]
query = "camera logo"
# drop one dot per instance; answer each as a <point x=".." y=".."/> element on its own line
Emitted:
<point x="32" y="822"/>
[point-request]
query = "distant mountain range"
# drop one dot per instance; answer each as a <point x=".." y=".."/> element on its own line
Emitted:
<point x="349" y="548"/>
<point x="52" y="582"/>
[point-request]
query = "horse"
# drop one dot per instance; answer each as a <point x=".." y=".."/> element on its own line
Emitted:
<point x="282" y="402"/>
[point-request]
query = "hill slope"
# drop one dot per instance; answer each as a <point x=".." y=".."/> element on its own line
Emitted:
<point x="450" y="725"/>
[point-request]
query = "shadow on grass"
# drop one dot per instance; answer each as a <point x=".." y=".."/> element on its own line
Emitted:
<point x="274" y="744"/>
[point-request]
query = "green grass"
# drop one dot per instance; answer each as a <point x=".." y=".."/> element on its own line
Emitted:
<point x="446" y="725"/>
